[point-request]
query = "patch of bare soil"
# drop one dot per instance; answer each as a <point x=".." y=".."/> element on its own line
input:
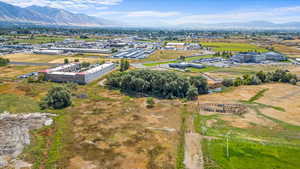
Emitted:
<point x="193" y="157"/>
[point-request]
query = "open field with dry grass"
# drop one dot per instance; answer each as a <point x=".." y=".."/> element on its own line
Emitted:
<point x="161" y="55"/>
<point x="287" y="50"/>
<point x="34" y="58"/>
<point x="12" y="71"/>
<point x="238" y="71"/>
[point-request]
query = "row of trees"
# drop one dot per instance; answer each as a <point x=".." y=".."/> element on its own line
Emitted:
<point x="279" y="75"/>
<point x="158" y="83"/>
<point x="3" y="61"/>
<point x="224" y="54"/>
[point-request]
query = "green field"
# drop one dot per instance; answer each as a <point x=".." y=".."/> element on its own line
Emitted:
<point x="232" y="47"/>
<point x="17" y="104"/>
<point x="250" y="155"/>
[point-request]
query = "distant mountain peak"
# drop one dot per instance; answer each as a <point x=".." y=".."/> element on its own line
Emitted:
<point x="44" y="15"/>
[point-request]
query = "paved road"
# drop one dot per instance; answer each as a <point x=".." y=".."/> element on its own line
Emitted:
<point x="34" y="64"/>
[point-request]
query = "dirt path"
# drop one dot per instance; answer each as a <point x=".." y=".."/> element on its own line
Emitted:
<point x="193" y="152"/>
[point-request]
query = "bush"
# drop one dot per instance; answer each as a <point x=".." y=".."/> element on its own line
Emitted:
<point x="57" y="98"/>
<point x="3" y="62"/>
<point x="66" y="61"/>
<point x="255" y="80"/>
<point x="227" y="82"/>
<point x="150" y="102"/>
<point x="238" y="82"/>
<point x="293" y="81"/>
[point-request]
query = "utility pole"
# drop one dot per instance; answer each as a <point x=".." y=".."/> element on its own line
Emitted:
<point x="227" y="143"/>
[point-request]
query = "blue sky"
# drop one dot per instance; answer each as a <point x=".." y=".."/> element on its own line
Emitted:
<point x="178" y="12"/>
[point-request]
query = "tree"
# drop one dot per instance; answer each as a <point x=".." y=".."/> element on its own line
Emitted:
<point x="3" y="62"/>
<point x="192" y="93"/>
<point x="238" y="82"/>
<point x="255" y="80"/>
<point x="76" y="60"/>
<point x="85" y="64"/>
<point x="66" y="61"/>
<point x="124" y="65"/>
<point x="58" y="97"/>
<point x="262" y="76"/>
<point x="200" y="83"/>
<point x="114" y="50"/>
<point x="227" y="82"/>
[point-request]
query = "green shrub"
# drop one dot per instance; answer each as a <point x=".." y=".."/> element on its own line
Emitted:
<point x="150" y="102"/>
<point x="227" y="82"/>
<point x="58" y="97"/>
<point x="3" y="62"/>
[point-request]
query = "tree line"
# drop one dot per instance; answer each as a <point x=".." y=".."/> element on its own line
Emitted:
<point x="258" y="78"/>
<point x="159" y="83"/>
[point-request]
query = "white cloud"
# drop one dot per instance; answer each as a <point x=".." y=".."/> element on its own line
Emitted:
<point x="152" y="14"/>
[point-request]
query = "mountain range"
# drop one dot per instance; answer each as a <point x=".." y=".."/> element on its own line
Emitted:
<point x="47" y="16"/>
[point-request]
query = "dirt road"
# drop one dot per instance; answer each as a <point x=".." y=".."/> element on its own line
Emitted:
<point x="193" y="152"/>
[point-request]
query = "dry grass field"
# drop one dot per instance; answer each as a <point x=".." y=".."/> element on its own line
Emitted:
<point x="12" y="71"/>
<point x="288" y="50"/>
<point x="161" y="55"/>
<point x="22" y="57"/>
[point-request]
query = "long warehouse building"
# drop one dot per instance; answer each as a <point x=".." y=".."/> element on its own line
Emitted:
<point x="74" y="73"/>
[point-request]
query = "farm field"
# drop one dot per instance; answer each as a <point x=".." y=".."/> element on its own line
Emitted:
<point x="267" y="135"/>
<point x="162" y="55"/>
<point x="233" y="47"/>
<point x="288" y="50"/>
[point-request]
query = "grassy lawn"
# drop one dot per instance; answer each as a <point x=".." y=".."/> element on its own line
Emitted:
<point x="233" y="47"/>
<point x="17" y="104"/>
<point x="249" y="155"/>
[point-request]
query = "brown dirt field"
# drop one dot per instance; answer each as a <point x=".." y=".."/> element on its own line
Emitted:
<point x="285" y="96"/>
<point x="114" y="133"/>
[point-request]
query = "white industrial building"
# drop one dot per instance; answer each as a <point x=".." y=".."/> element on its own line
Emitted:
<point x="75" y="73"/>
